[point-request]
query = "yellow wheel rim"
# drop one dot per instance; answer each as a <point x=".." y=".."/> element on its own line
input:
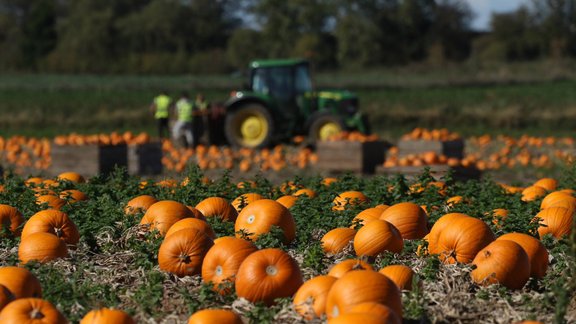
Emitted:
<point x="328" y="130"/>
<point x="253" y="130"/>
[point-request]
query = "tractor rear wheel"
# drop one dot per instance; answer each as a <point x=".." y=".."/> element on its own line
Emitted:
<point x="324" y="127"/>
<point x="249" y="126"/>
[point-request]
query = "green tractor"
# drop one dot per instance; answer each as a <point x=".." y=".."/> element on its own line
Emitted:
<point x="279" y="103"/>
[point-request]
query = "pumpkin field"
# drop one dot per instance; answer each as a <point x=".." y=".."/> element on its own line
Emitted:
<point x="120" y="248"/>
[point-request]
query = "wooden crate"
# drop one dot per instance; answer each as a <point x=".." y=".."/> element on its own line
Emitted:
<point x="437" y="171"/>
<point x="343" y="156"/>
<point x="453" y="148"/>
<point x="89" y="160"/>
<point x="145" y="159"/>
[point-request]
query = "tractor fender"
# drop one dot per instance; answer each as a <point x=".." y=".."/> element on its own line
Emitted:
<point x="234" y="102"/>
<point x="314" y="117"/>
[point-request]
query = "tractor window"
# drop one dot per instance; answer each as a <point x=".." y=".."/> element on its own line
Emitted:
<point x="303" y="83"/>
<point x="277" y="82"/>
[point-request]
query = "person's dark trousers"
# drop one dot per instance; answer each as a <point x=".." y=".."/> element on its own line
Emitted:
<point x="163" y="130"/>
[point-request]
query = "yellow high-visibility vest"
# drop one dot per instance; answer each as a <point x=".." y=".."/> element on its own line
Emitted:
<point x="162" y="102"/>
<point x="184" y="108"/>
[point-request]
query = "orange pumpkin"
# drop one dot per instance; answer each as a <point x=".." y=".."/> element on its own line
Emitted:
<point x="498" y="216"/>
<point x="243" y="200"/>
<point x="73" y="195"/>
<point x="20" y="282"/>
<point x="287" y="201"/>
<point x="266" y="275"/>
<point x="341" y="268"/>
<point x="556" y="221"/>
<point x="382" y="311"/>
<point x="71" y="176"/>
<point x="210" y="316"/>
<point x="549" y="184"/>
<point x="535" y="250"/>
<point x="400" y="274"/>
<point x="347" y="198"/>
<point x="10" y="219"/>
<point x="53" y="222"/>
<point x="223" y="260"/>
<point x="217" y="207"/>
<point x="377" y="237"/>
<point x="139" y="204"/>
<point x="306" y="192"/>
<point x="532" y="193"/>
<point x="438" y="227"/>
<point x="337" y="239"/>
<point x="52" y="201"/>
<point x="361" y="286"/>
<point x="182" y="252"/>
<point x="410" y="219"/>
<point x="163" y="214"/>
<point x="31" y="310"/>
<point x="259" y="217"/>
<point x="366" y="216"/>
<point x="195" y="223"/>
<point x="42" y="247"/>
<point x="503" y="262"/>
<point x="461" y="240"/>
<point x="364" y="318"/>
<point x="310" y="299"/>
<point x="107" y="315"/>
<point x="559" y="199"/>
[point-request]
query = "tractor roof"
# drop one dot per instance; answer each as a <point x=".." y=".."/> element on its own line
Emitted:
<point x="276" y="62"/>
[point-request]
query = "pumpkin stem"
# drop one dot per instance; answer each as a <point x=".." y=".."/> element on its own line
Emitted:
<point x="58" y="232"/>
<point x="184" y="258"/>
<point x="271" y="270"/>
<point x="36" y="314"/>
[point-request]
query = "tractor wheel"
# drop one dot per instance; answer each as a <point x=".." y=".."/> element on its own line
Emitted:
<point x="249" y="126"/>
<point x="324" y="127"/>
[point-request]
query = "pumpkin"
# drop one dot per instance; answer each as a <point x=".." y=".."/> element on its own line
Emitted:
<point x="73" y="195"/>
<point x="503" y="262"/>
<point x="139" y="204"/>
<point x="163" y="214"/>
<point x="532" y="193"/>
<point x="548" y="184"/>
<point x="341" y="268"/>
<point x="197" y="214"/>
<point x="198" y="224"/>
<point x="461" y="240"/>
<point x="337" y="239"/>
<point x="211" y="316"/>
<point x="378" y="309"/>
<point x="362" y="286"/>
<point x="42" y="247"/>
<point x="328" y="181"/>
<point x="182" y="252"/>
<point x="366" y="216"/>
<point x="349" y="198"/>
<point x="71" y="176"/>
<point x="306" y="192"/>
<point x="53" y="222"/>
<point x="243" y="200"/>
<point x="6" y="296"/>
<point x="287" y="201"/>
<point x="498" y="216"/>
<point x="107" y="315"/>
<point x="556" y="221"/>
<point x="266" y="275"/>
<point x="259" y="217"/>
<point x="52" y="201"/>
<point x="31" y="310"/>
<point x="438" y="227"/>
<point x="377" y="237"/>
<point x="364" y="318"/>
<point x="20" y="282"/>
<point x="222" y="261"/>
<point x="310" y="299"/>
<point x="535" y="250"/>
<point x="410" y="219"/>
<point x="559" y="199"/>
<point x="10" y="219"/>
<point x="217" y="207"/>
<point x="400" y="274"/>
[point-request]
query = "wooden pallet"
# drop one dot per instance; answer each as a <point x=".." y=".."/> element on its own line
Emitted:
<point x="437" y="171"/>
<point x="448" y="148"/>
<point x="344" y="156"/>
<point x="145" y="159"/>
<point x="89" y="160"/>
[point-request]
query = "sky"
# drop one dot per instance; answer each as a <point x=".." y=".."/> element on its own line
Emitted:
<point x="483" y="9"/>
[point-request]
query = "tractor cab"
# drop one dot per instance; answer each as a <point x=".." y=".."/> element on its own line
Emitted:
<point x="280" y="103"/>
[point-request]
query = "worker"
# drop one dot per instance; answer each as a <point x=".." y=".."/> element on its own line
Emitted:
<point x="183" y="125"/>
<point x="200" y="122"/>
<point x="160" y="108"/>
